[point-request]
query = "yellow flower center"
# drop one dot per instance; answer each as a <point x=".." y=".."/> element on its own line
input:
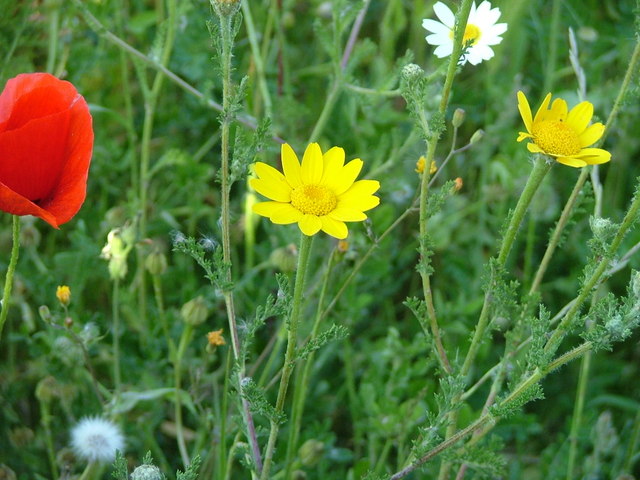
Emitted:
<point x="314" y="199"/>
<point x="556" y="138"/>
<point x="471" y="34"/>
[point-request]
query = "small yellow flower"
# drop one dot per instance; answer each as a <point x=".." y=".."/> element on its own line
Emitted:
<point x="458" y="185"/>
<point x="215" y="338"/>
<point x="562" y="134"/>
<point x="421" y="163"/>
<point x="320" y="194"/>
<point x="63" y="294"/>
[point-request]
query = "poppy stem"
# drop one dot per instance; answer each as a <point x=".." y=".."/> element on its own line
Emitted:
<point x="8" y="282"/>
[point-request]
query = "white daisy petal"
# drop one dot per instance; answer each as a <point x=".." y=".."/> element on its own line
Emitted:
<point x="435" y="27"/>
<point x="445" y="15"/>
<point x="444" y="50"/>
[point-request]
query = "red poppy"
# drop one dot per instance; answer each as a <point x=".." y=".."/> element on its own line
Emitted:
<point x="46" y="141"/>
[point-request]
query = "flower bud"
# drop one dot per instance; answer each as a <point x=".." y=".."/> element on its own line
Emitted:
<point x="46" y="389"/>
<point x="45" y="314"/>
<point x="284" y="259"/>
<point x="412" y="72"/>
<point x="458" y="185"/>
<point x="311" y="452"/>
<point x="195" y="311"/>
<point x="215" y="338"/>
<point x="458" y="117"/>
<point x="156" y="263"/>
<point x="63" y="294"/>
<point x="343" y="246"/>
<point x="147" y="472"/>
<point x="476" y="137"/>
<point x="225" y="8"/>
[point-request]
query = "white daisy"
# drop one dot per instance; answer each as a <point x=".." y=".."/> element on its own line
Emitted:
<point x="96" y="440"/>
<point x="481" y="30"/>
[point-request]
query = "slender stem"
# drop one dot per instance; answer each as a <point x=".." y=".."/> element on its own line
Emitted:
<point x="588" y="286"/>
<point x="157" y="290"/>
<point x="302" y="381"/>
<point x="115" y="309"/>
<point x="540" y="169"/>
<point x="54" y="25"/>
<point x="8" y="280"/>
<point x="289" y="357"/>
<point x="578" y="409"/>
<point x="89" y="471"/>
<point x="187" y="333"/>
<point x="226" y="32"/>
<point x="257" y="57"/>
<point x="353" y="36"/>
<point x="46" y="425"/>
<point x="101" y="30"/>
<point x="488" y="420"/>
<point x="332" y="97"/>
<point x="558" y="230"/>
<point x="633" y="444"/>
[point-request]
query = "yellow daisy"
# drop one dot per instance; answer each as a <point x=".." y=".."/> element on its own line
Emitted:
<point x="562" y="134"/>
<point x="320" y="194"/>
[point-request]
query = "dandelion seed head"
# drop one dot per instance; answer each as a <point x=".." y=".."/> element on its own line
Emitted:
<point x="177" y="237"/>
<point x="208" y="243"/>
<point x="96" y="439"/>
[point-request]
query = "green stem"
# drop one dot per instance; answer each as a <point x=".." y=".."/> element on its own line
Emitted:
<point x="157" y="289"/>
<point x="289" y="357"/>
<point x="46" y="425"/>
<point x="592" y="281"/>
<point x="187" y="333"/>
<point x="332" y="97"/>
<point x="8" y="281"/>
<point x="115" y="309"/>
<point x="302" y="382"/>
<point x="89" y="471"/>
<point x="558" y="230"/>
<point x="257" y="57"/>
<point x="633" y="444"/>
<point x="226" y="32"/>
<point x="54" y="25"/>
<point x="150" y="104"/>
<point x="489" y="420"/>
<point x="576" y="419"/>
<point x="540" y="169"/>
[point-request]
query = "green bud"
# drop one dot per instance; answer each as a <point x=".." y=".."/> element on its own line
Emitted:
<point x="156" y="263"/>
<point x="476" y="137"/>
<point x="299" y="475"/>
<point x="147" y="472"/>
<point x="195" y="311"/>
<point x="45" y="313"/>
<point x="46" y="389"/>
<point x="458" y="117"/>
<point x="311" y="452"/>
<point x="284" y="259"/>
<point x="225" y="8"/>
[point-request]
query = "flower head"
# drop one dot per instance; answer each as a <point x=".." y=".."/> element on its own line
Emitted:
<point x="562" y="134"/>
<point x="319" y="194"/>
<point x="63" y="294"/>
<point x="46" y="141"/>
<point x="480" y="33"/>
<point x="215" y="338"/>
<point x="96" y="439"/>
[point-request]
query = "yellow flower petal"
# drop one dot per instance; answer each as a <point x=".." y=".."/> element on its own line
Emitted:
<point x="333" y="227"/>
<point x="347" y="176"/>
<point x="267" y="172"/>
<point x="533" y="148"/>
<point x="572" y="162"/>
<point x="312" y="164"/>
<point x="543" y="108"/>
<point x="594" y="156"/>
<point x="591" y="135"/>
<point x="291" y="166"/>
<point x="525" y="111"/>
<point x="333" y="162"/>
<point x="359" y="202"/>
<point x="362" y="188"/>
<point x="309" y="224"/>
<point x="523" y="135"/>
<point x="558" y="111"/>
<point x="580" y="116"/>
<point x="286" y="215"/>
<point x="348" y="214"/>
<point x="280" y="191"/>
<point x="267" y="209"/>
